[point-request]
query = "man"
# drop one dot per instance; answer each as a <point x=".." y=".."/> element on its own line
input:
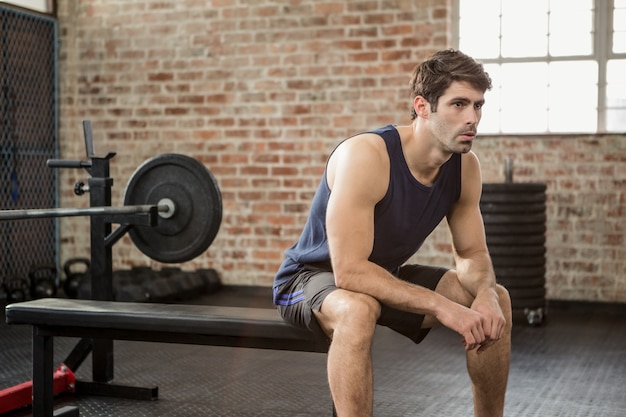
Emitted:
<point x="382" y="194"/>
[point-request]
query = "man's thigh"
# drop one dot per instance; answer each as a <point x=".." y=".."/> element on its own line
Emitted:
<point x="297" y="299"/>
<point x="414" y="326"/>
<point x="450" y="287"/>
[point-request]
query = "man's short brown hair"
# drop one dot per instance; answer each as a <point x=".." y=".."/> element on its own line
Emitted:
<point x="432" y="77"/>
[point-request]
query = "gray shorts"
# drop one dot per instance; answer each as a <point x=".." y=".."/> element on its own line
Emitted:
<point x="297" y="298"/>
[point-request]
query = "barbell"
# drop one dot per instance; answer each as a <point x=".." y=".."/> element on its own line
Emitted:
<point x="185" y="195"/>
<point x="162" y="208"/>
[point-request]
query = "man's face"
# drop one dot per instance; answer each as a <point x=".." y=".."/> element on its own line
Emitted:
<point x="454" y="124"/>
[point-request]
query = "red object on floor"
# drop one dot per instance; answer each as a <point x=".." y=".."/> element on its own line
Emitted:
<point x="22" y="395"/>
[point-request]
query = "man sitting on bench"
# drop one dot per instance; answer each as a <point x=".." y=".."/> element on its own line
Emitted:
<point x="383" y="192"/>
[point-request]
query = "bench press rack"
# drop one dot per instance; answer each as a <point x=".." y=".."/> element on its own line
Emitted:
<point x="100" y="321"/>
<point x="101" y="268"/>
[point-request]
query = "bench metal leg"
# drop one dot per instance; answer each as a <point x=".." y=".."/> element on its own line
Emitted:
<point x="102" y="360"/>
<point x="43" y="386"/>
<point x="42" y="374"/>
<point x="117" y="391"/>
<point x="78" y="355"/>
<point x="66" y="411"/>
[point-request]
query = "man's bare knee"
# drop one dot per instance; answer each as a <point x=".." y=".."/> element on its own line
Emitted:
<point x="504" y="299"/>
<point x="450" y="287"/>
<point x="347" y="309"/>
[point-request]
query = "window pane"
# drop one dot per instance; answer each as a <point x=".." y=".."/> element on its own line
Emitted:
<point x="616" y="120"/>
<point x="573" y="82"/>
<point x="616" y="96"/>
<point x="619" y="28"/>
<point x="619" y="19"/>
<point x="524" y="28"/>
<point x="571" y="32"/>
<point x="490" y="122"/>
<point x="524" y="97"/>
<point x="561" y="5"/>
<point x="616" y="83"/>
<point x="619" y="42"/>
<point x="479" y="28"/>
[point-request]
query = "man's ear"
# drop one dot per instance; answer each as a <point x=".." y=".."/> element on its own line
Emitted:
<point x="421" y="106"/>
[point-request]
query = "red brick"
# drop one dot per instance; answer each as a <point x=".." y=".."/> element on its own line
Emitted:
<point x="336" y="7"/>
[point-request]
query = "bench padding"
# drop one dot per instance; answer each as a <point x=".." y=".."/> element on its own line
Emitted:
<point x="186" y="320"/>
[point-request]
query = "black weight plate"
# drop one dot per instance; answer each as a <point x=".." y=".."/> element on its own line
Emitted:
<point x="512" y="198"/>
<point x="501" y="208"/>
<point x="528" y="302"/>
<point x="521" y="282"/>
<point x="514" y="261"/>
<point x="524" y="240"/>
<point x="198" y="207"/>
<point x="514" y="188"/>
<point x="525" y="293"/>
<point x="514" y="218"/>
<point x="507" y="272"/>
<point x="515" y="229"/>
<point x="496" y="250"/>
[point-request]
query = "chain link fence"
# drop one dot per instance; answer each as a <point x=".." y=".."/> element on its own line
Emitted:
<point x="28" y="138"/>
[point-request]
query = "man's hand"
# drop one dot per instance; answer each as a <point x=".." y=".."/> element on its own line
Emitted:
<point x="480" y="326"/>
<point x="467" y="322"/>
<point x="492" y="318"/>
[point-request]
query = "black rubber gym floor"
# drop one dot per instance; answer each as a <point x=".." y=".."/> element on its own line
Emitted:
<point x="572" y="365"/>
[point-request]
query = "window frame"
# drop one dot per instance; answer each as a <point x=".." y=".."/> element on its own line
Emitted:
<point x="47" y="7"/>
<point x="602" y="53"/>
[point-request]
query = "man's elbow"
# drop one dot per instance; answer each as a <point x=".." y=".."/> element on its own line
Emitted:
<point x="343" y="279"/>
<point x="481" y="254"/>
<point x="346" y="275"/>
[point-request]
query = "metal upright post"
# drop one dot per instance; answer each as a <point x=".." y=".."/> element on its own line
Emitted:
<point x="101" y="269"/>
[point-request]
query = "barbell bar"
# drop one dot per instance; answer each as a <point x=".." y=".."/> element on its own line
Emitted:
<point x="166" y="209"/>
<point x="187" y="199"/>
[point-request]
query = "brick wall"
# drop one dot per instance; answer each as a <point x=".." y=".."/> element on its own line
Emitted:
<point x="261" y="91"/>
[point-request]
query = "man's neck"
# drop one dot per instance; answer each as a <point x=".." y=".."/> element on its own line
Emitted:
<point x="422" y="154"/>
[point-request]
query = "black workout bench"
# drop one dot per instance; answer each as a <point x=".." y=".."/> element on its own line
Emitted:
<point x="260" y="328"/>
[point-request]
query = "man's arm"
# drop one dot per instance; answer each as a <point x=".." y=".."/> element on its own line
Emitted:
<point x="358" y="175"/>
<point x="473" y="262"/>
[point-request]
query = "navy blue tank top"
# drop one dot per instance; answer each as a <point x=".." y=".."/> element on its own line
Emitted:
<point x="403" y="219"/>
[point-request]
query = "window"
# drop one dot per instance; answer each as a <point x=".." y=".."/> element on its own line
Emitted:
<point x="44" y="6"/>
<point x="558" y="66"/>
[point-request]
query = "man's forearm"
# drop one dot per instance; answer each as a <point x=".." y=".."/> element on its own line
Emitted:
<point x="476" y="273"/>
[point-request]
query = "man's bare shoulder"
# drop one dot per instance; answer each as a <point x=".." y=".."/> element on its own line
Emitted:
<point x="364" y="159"/>
<point x="367" y="141"/>
<point x="365" y="148"/>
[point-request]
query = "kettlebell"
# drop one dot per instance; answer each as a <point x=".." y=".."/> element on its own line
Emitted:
<point x="16" y="289"/>
<point x="76" y="275"/>
<point x="43" y="281"/>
